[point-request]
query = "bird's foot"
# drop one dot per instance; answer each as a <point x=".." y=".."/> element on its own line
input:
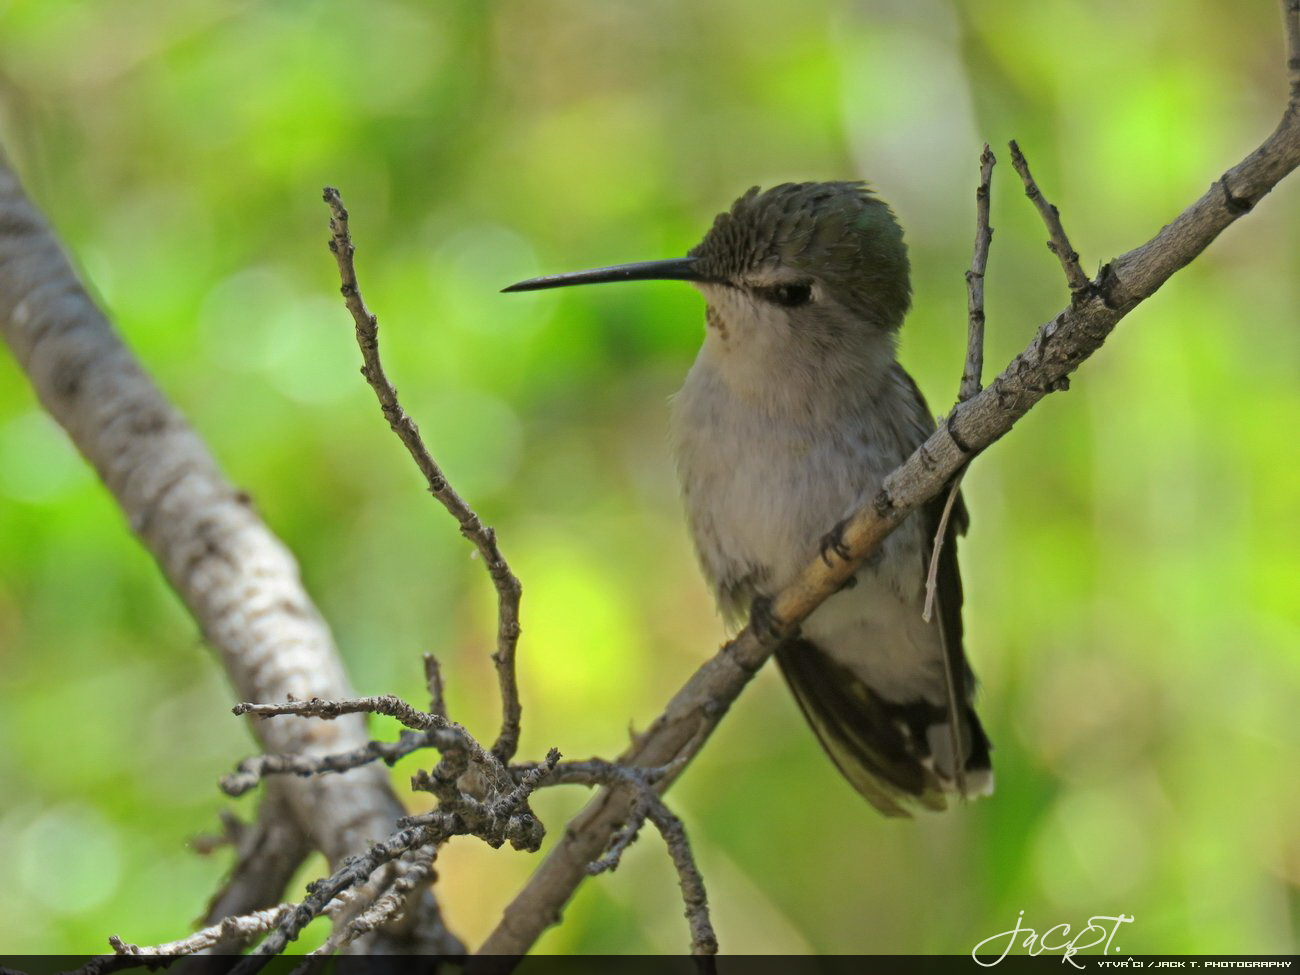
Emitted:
<point x="763" y="620"/>
<point x="833" y="541"/>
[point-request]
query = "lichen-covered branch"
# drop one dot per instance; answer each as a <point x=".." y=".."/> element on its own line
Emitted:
<point x="648" y="805"/>
<point x="232" y="931"/>
<point x="413" y="870"/>
<point x="479" y="792"/>
<point x="356" y="870"/>
<point x="478" y="795"/>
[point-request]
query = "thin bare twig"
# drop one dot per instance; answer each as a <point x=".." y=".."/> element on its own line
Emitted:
<point x="599" y="771"/>
<point x="471" y="526"/>
<point x="621" y="840"/>
<point x="453" y="776"/>
<point x="508" y="786"/>
<point x="482" y="796"/>
<point x="438" y="732"/>
<point x="354" y="871"/>
<point x="252" y="770"/>
<point x="971" y="376"/>
<point x="370" y="885"/>
<point x="394" y="900"/>
<point x="1291" y="21"/>
<point x="433" y="681"/>
<point x="236" y="931"/>
<point x="648" y="805"/>
<point x="268" y="853"/>
<point x="1056" y="350"/>
<point x="529" y="781"/>
<point x="413" y="869"/>
<point x="386" y="704"/>
<point x="1058" y="243"/>
<point x="703" y="939"/>
<point x="936" y="548"/>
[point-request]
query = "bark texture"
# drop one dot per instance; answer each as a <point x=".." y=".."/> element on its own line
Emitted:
<point x="235" y="577"/>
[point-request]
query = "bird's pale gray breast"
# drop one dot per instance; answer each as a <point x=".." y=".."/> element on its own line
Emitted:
<point x="762" y="486"/>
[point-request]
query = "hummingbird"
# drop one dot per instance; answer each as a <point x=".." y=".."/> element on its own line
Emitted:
<point x="795" y="410"/>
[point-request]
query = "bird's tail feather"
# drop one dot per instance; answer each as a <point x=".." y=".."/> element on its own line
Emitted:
<point x="895" y="755"/>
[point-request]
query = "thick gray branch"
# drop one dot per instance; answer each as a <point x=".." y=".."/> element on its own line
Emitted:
<point x="238" y="581"/>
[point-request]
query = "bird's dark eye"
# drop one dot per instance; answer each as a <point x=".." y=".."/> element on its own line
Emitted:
<point x="789" y="295"/>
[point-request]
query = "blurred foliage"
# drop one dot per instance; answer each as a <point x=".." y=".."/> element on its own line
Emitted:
<point x="1131" y="573"/>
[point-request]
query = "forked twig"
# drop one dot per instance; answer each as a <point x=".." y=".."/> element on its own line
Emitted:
<point x="413" y="869"/>
<point x="648" y="805"/>
<point x="471" y="526"/>
<point x="1058" y="243"/>
<point x="493" y="808"/>
<point x="448" y="734"/>
<point x="972" y="374"/>
<point x="355" y="871"/>
<point x="973" y="371"/>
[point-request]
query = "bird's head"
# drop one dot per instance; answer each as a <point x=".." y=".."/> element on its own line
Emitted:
<point x="815" y="250"/>
<point x="807" y="266"/>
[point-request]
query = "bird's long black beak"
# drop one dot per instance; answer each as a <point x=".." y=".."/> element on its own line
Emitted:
<point x="673" y="269"/>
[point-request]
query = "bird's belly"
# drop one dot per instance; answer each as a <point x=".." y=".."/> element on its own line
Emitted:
<point x="760" y="498"/>
<point x="770" y="506"/>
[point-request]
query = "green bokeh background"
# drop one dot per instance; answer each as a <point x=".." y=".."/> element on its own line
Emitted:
<point x="1131" y="572"/>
